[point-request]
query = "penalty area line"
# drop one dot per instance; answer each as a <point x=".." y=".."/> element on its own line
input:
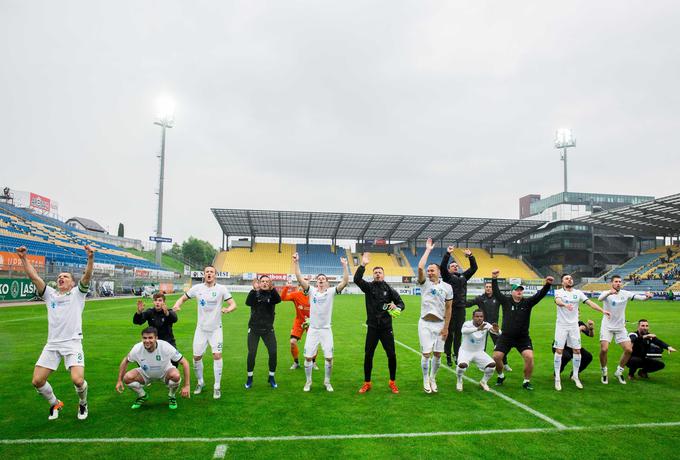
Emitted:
<point x="331" y="437"/>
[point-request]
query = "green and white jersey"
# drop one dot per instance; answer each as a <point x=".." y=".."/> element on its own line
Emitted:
<point x="64" y="313"/>
<point x="154" y="363"/>
<point x="565" y="316"/>
<point x="209" y="301"/>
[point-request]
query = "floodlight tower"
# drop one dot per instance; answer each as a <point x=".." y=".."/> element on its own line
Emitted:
<point x="165" y="119"/>
<point x="564" y="139"/>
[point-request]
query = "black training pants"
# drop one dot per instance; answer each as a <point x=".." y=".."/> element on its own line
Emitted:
<point x="269" y="339"/>
<point x="386" y="337"/>
<point x="455" y="336"/>
<point x="644" y="364"/>
<point x="568" y="354"/>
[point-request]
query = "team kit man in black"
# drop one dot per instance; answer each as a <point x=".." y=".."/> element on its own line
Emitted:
<point x="516" y="318"/>
<point x="458" y="282"/>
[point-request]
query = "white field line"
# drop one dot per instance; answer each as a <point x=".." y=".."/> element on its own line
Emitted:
<point x="335" y="436"/>
<point x="533" y="412"/>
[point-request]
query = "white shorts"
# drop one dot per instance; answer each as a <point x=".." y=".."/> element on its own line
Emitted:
<point x="316" y="337"/>
<point x="480" y="358"/>
<point x="150" y="377"/>
<point x="429" y="333"/>
<point x="204" y="338"/>
<point x="619" y="335"/>
<point x="569" y="335"/>
<point x="71" y="351"/>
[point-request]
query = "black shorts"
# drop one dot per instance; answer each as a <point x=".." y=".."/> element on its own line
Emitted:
<point x="504" y="343"/>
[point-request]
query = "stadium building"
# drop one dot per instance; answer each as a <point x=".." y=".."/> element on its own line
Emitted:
<point x="566" y="245"/>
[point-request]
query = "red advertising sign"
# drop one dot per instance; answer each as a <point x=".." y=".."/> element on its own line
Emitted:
<point x="11" y="260"/>
<point x="39" y="202"/>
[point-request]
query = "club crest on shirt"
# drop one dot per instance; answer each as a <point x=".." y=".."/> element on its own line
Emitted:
<point x="213" y="293"/>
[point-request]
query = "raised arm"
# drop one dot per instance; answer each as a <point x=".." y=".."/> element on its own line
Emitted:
<point x="298" y="275"/>
<point x="494" y="287"/>
<point x="30" y="271"/>
<point x="423" y="260"/>
<point x="473" y="265"/>
<point x="534" y="299"/>
<point x="359" y="273"/>
<point x="139" y="317"/>
<point x="444" y="265"/>
<point x="89" y="268"/>
<point x="345" y="276"/>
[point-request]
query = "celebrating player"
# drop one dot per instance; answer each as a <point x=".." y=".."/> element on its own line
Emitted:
<point x="382" y="303"/>
<point x="516" y="319"/>
<point x="65" y="307"/>
<point x="209" y="296"/>
<point x="321" y="310"/>
<point x="262" y="299"/>
<point x="490" y="306"/>
<point x="155" y="359"/>
<point x="458" y="282"/>
<point x="472" y="349"/>
<point x="567" y="331"/>
<point x="613" y="326"/>
<point x="435" y="315"/>
<point x="301" y="302"/>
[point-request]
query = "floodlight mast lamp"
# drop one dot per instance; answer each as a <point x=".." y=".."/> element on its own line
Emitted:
<point x="564" y="139"/>
<point x="166" y="120"/>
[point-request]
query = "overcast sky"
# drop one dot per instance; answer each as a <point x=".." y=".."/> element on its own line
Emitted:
<point x="444" y="108"/>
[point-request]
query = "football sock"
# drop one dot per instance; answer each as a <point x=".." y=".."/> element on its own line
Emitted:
<point x="82" y="392"/>
<point x="47" y="393"/>
<point x="217" y="370"/>
<point x="198" y="367"/>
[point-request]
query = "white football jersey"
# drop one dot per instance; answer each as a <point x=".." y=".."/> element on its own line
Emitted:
<point x="321" y="307"/>
<point x="616" y="305"/>
<point x="64" y="314"/>
<point x="433" y="298"/>
<point x="155" y="363"/>
<point x="209" y="301"/>
<point x="474" y="341"/>
<point x="573" y="298"/>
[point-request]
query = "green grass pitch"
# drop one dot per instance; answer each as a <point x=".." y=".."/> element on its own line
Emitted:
<point x="287" y="411"/>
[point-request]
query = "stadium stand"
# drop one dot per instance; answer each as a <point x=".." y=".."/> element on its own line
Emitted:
<point x="319" y="258"/>
<point x="435" y="256"/>
<point x="509" y="267"/>
<point x="265" y="258"/>
<point x="59" y="243"/>
<point x="634" y="266"/>
<point x="389" y="262"/>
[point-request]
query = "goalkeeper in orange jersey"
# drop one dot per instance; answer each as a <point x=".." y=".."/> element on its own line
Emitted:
<point x="301" y="321"/>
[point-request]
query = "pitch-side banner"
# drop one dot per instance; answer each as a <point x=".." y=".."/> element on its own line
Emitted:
<point x="16" y="289"/>
<point x="9" y="260"/>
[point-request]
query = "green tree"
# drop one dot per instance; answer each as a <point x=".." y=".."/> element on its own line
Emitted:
<point x="198" y="252"/>
<point x="121" y="230"/>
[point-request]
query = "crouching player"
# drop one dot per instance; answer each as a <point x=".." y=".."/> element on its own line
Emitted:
<point x="156" y="360"/>
<point x="472" y="349"/>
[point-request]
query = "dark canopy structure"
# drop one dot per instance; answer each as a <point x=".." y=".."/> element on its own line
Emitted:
<point x="366" y="227"/>
<point x="659" y="217"/>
